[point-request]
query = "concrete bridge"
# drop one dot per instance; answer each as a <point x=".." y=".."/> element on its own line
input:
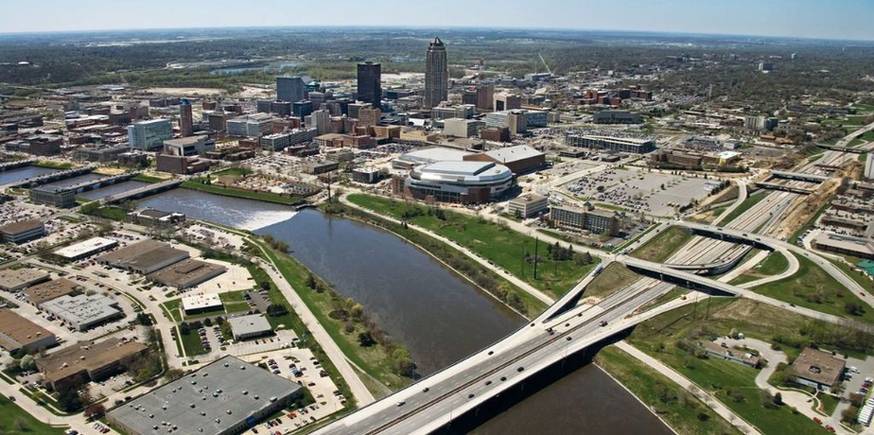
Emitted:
<point x="841" y="149"/>
<point x="800" y="176"/>
<point x="783" y="187"/>
<point x="85" y="186"/>
<point x="8" y="166"/>
<point x="143" y="191"/>
<point x="48" y="178"/>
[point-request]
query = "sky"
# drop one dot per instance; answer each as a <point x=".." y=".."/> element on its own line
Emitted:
<point x="832" y="19"/>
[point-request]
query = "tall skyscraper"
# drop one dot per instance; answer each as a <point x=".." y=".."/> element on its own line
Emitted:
<point x="290" y="89"/>
<point x="186" y="119"/>
<point x="436" y="74"/>
<point x="369" y="86"/>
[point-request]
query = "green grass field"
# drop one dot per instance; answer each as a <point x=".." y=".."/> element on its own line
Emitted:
<point x="196" y="184"/>
<point x="774" y="264"/>
<point x="683" y="412"/>
<point x="614" y="277"/>
<point x="234" y="302"/>
<point x="14" y="420"/>
<point x="667" y="337"/>
<point x="499" y="244"/>
<point x="812" y="287"/>
<point x="751" y="200"/>
<point x="662" y="246"/>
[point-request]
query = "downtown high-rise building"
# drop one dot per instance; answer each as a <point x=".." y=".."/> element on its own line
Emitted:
<point x="369" y="83"/>
<point x="186" y="119"/>
<point x="290" y="89"/>
<point x="436" y="74"/>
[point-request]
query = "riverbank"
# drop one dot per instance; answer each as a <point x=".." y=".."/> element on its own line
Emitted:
<point x="554" y="269"/>
<point x="486" y="280"/>
<point x="203" y="185"/>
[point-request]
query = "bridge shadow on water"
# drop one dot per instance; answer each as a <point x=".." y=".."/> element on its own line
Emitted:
<point x="533" y="384"/>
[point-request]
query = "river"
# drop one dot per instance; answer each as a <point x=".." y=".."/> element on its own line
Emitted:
<point x="18" y="174"/>
<point x="437" y="315"/>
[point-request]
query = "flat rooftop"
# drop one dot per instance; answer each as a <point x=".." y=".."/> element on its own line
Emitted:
<point x="19" y="329"/>
<point x="21" y="226"/>
<point x="49" y="290"/>
<point x="513" y="153"/>
<point x="201" y="302"/>
<point x="435" y="154"/>
<point x="86" y="247"/>
<point x="15" y="278"/>
<point x="144" y="255"/>
<point x="212" y="400"/>
<point x="818" y="366"/>
<point x="251" y="324"/>
<point x="187" y="272"/>
<point x="83" y="309"/>
<point x="86" y="356"/>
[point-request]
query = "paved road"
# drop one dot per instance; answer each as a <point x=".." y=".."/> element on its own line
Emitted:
<point x="742" y="195"/>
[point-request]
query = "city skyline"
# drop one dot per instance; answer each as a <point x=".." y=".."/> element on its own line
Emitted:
<point x="781" y="18"/>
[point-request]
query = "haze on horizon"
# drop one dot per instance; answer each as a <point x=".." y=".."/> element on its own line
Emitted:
<point x="845" y="19"/>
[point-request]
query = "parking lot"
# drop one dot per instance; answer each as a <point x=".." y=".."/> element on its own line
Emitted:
<point x="300" y="366"/>
<point x="655" y="193"/>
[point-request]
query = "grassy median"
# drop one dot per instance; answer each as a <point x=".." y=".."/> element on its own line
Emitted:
<point x="14" y="420"/>
<point x="557" y="270"/>
<point x="664" y="245"/>
<point x="774" y="264"/>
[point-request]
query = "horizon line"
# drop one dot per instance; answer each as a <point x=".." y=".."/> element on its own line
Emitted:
<point x="450" y="27"/>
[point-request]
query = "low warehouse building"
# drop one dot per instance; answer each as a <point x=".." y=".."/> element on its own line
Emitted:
<point x="16" y="333"/>
<point x="521" y="159"/>
<point x="50" y="290"/>
<point x="187" y="273"/>
<point x="227" y="396"/>
<point x="84" y="312"/>
<point x="13" y="280"/>
<point x="87" y="248"/>
<point x="144" y="257"/>
<point x="245" y="327"/>
<point x="89" y="361"/>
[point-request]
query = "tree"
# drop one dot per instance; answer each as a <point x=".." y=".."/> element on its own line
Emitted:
<point x="311" y="281"/>
<point x="778" y="399"/>
<point x="95" y="411"/>
<point x="365" y="339"/>
<point x="184" y="328"/>
<point x="69" y="399"/>
<point x="276" y="310"/>
<point x="27" y="363"/>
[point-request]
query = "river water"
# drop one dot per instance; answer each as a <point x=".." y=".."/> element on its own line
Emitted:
<point x="438" y="316"/>
<point x="19" y="174"/>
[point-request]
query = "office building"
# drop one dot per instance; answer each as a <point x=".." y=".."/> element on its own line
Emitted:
<point x="281" y="141"/>
<point x="200" y="303"/>
<point x="254" y="125"/>
<point x="516" y="121"/>
<point x="55" y="196"/>
<point x="616" y="117"/>
<point x="225" y="397"/>
<point x="495" y="134"/>
<point x="188" y="146"/>
<point x="366" y="175"/>
<point x="459" y="182"/>
<point x="186" y="119"/>
<point x="485" y="97"/>
<point x="301" y="109"/>
<point x="445" y="111"/>
<point x="369" y="116"/>
<point x="18" y="333"/>
<point x="320" y="120"/>
<point x="818" y="369"/>
<point x="528" y="205"/>
<point x="251" y="326"/>
<point x="149" y="135"/>
<point x="616" y="144"/>
<point x="290" y="89"/>
<point x="458" y="127"/>
<point x="504" y="101"/>
<point x="85" y="311"/>
<point x="22" y="231"/>
<point x="369" y="83"/>
<point x="595" y="221"/>
<point x="436" y="74"/>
